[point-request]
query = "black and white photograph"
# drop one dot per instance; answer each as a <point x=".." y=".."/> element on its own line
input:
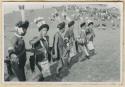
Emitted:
<point x="62" y="41"/>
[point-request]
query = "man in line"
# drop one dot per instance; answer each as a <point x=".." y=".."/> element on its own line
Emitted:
<point x="17" y="50"/>
<point x="70" y="37"/>
<point x="82" y="40"/>
<point x="58" y="46"/>
<point x="42" y="53"/>
<point x="90" y="37"/>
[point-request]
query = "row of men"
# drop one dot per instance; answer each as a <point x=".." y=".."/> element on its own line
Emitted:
<point x="64" y="44"/>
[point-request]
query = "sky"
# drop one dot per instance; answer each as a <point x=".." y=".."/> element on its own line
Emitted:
<point x="13" y="6"/>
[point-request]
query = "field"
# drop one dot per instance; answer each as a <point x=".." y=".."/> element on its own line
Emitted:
<point x="102" y="67"/>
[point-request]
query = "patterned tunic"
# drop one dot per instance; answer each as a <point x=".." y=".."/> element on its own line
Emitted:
<point x="59" y="42"/>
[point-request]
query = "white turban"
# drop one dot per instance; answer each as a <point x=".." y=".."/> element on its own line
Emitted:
<point x="39" y="21"/>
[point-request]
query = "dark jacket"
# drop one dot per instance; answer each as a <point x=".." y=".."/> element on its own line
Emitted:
<point x="59" y="43"/>
<point x="19" y="49"/>
<point x="41" y="49"/>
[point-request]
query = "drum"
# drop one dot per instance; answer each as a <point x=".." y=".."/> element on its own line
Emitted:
<point x="45" y="68"/>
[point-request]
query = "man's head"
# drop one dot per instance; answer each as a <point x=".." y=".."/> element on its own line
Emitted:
<point x="90" y="24"/>
<point x="83" y="25"/>
<point x="43" y="29"/>
<point x="61" y="27"/>
<point x="71" y="24"/>
<point x="21" y="27"/>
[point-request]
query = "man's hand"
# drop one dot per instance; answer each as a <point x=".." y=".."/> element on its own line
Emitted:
<point x="14" y="58"/>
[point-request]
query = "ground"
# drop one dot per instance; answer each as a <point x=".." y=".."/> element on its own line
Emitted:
<point x="102" y="67"/>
